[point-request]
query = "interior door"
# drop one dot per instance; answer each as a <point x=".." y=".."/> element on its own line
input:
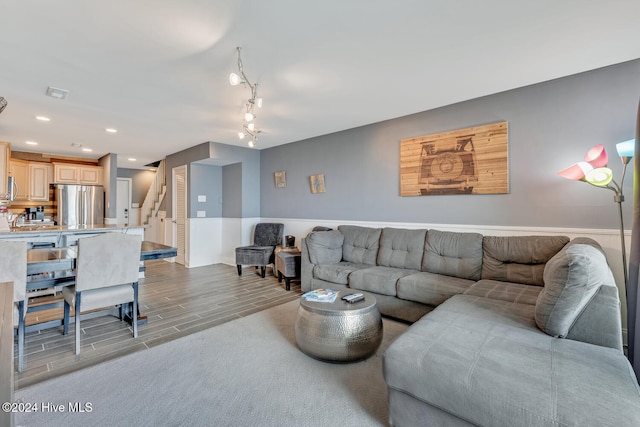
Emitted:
<point x="179" y="208"/>
<point x="123" y="200"/>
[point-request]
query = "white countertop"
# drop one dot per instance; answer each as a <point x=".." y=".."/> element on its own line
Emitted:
<point x="56" y="229"/>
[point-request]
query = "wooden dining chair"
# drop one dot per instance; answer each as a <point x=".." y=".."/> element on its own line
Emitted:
<point x="107" y="270"/>
<point x="13" y="268"/>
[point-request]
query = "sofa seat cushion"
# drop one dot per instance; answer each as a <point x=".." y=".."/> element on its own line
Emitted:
<point x="380" y="280"/>
<point x="430" y="288"/>
<point x="453" y="254"/>
<point x="505" y="291"/>
<point x="336" y="273"/>
<point x="519" y="259"/>
<point x="485" y="361"/>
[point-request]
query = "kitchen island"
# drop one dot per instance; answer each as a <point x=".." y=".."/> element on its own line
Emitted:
<point x="42" y="235"/>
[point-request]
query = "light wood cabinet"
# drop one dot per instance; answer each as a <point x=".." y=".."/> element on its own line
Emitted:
<point x="19" y="170"/>
<point x="65" y="173"/>
<point x="40" y="175"/>
<point x="5" y="148"/>
<point x="91" y="175"/>
<point x="32" y="179"/>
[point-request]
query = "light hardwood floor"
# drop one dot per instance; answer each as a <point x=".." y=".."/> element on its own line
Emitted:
<point x="177" y="300"/>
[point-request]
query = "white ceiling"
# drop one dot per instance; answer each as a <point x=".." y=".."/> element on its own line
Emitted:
<point x="157" y="70"/>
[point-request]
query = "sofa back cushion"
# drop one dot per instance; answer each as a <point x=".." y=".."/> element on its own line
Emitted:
<point x="401" y="248"/>
<point x="325" y="247"/>
<point x="360" y="244"/>
<point x="572" y="278"/>
<point x="453" y="254"/>
<point x="519" y="259"/>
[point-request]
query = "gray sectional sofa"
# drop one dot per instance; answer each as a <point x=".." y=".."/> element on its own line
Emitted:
<point x="507" y="331"/>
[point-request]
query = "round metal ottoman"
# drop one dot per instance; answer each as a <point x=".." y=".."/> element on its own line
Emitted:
<point x="339" y="331"/>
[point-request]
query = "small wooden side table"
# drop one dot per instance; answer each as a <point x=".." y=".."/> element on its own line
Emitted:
<point x="288" y="265"/>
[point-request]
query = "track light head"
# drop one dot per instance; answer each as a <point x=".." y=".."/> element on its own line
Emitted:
<point x="235" y="79"/>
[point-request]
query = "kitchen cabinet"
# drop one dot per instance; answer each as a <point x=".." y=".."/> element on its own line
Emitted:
<point x="40" y="175"/>
<point x="19" y="170"/>
<point x="66" y="173"/>
<point x="91" y="175"/>
<point x="5" y="148"/>
<point x="32" y="179"/>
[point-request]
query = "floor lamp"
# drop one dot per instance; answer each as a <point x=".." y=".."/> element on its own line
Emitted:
<point x="594" y="171"/>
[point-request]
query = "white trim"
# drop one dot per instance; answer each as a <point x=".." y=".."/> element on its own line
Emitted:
<point x="609" y="239"/>
<point x="235" y="232"/>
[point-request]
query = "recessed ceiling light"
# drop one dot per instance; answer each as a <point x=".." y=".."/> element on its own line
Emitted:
<point x="32" y="143"/>
<point x="88" y="150"/>
<point x="131" y="159"/>
<point x="57" y="93"/>
<point x="111" y="130"/>
<point x="43" y="118"/>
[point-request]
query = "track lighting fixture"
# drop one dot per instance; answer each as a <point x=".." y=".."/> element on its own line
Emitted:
<point x="240" y="78"/>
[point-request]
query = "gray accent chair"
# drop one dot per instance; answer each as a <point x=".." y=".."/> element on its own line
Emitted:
<point x="266" y="237"/>
<point x="13" y="268"/>
<point x="107" y="271"/>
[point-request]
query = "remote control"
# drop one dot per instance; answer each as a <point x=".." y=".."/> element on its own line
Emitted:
<point x="353" y="298"/>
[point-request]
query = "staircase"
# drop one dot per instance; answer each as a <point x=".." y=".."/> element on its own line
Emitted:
<point x="155" y="196"/>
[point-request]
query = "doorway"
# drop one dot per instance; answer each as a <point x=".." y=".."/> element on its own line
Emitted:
<point x="123" y="200"/>
<point x="179" y="208"/>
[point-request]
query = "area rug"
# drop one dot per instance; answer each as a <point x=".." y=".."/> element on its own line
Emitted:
<point x="248" y="372"/>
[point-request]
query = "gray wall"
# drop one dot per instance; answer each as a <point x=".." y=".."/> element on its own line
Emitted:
<point x="110" y="164"/>
<point x="551" y="126"/>
<point x="232" y="191"/>
<point x="249" y="187"/>
<point x="205" y="176"/>
<point x="141" y="180"/>
<point x="206" y="180"/>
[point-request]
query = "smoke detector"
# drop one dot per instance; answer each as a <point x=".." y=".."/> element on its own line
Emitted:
<point x="57" y="93"/>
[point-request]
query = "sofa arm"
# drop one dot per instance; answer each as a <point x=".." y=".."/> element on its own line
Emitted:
<point x="600" y="322"/>
<point x="319" y="248"/>
<point x="306" y="267"/>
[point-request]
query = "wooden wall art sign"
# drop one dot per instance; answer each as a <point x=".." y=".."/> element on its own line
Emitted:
<point x="317" y="183"/>
<point x="280" y="179"/>
<point x="466" y="161"/>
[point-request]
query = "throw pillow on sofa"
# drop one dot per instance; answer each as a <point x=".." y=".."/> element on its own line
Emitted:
<point x="572" y="278"/>
<point x="519" y="259"/>
<point x="325" y="247"/>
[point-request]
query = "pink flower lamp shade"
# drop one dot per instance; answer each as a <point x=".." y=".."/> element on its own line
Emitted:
<point x="576" y="171"/>
<point x="594" y="171"/>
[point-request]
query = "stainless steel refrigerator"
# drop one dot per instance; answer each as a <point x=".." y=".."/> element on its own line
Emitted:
<point x="80" y="204"/>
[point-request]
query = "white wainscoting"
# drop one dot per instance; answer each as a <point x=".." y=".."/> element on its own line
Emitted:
<point x="236" y="232"/>
<point x="608" y="239"/>
<point x="203" y="243"/>
<point x="233" y="232"/>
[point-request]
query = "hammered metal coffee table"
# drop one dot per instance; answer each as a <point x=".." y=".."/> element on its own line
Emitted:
<point x="339" y="331"/>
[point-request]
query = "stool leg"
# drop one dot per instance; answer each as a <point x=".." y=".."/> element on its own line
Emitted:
<point x="287" y="282"/>
<point x="239" y="270"/>
<point x="279" y="277"/>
